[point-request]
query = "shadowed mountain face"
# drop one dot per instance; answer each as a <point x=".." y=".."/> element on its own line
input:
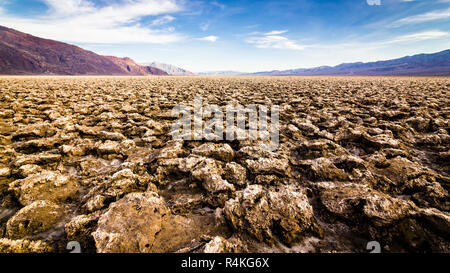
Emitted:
<point x="24" y="54"/>
<point x="436" y="64"/>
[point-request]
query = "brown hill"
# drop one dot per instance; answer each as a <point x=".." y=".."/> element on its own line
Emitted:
<point x="24" y="54"/>
<point x="129" y="66"/>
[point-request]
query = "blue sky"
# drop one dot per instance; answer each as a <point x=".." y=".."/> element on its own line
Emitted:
<point x="242" y="35"/>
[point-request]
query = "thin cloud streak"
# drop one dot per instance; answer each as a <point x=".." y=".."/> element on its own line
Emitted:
<point x="421" y="18"/>
<point x="272" y="39"/>
<point x="210" y="38"/>
<point x="408" y="38"/>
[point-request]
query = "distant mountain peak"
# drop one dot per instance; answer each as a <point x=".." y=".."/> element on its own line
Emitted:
<point x="129" y="66"/>
<point x="171" y="69"/>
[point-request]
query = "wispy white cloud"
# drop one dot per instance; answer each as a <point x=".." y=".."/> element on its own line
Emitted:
<point x="419" y="36"/>
<point x="217" y="4"/>
<point x="210" y="38"/>
<point x="273" y="39"/>
<point x="276" y="32"/>
<point x="204" y="27"/>
<point x="80" y="21"/>
<point x="163" y="20"/>
<point x="401" y="39"/>
<point x="424" y="17"/>
<point x="373" y="2"/>
<point x="68" y="7"/>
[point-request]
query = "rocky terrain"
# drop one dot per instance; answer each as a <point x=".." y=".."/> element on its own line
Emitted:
<point x="91" y="160"/>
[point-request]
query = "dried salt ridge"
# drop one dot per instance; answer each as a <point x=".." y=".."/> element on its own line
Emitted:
<point x="91" y="160"/>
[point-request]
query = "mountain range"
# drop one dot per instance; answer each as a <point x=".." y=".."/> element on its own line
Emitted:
<point x="24" y="54"/>
<point x="221" y="73"/>
<point x="435" y="64"/>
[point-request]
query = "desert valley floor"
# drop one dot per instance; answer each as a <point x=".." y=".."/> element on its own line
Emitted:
<point x="91" y="160"/>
